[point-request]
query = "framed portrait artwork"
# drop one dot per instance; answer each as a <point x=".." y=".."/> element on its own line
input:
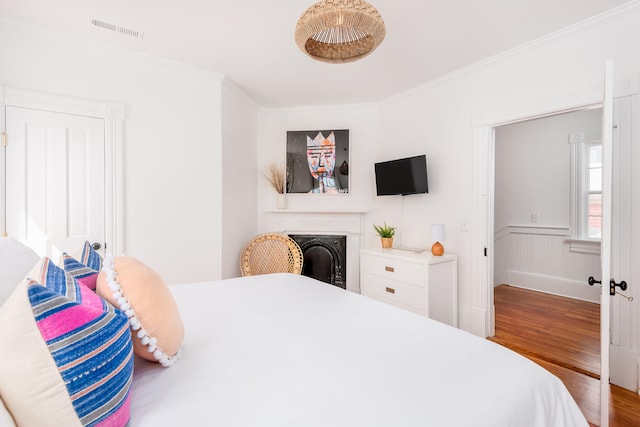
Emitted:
<point x="318" y="162"/>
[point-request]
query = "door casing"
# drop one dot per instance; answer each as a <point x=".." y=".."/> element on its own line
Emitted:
<point x="113" y="116"/>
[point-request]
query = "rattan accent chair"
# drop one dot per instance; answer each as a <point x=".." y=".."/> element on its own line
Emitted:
<point x="271" y="253"/>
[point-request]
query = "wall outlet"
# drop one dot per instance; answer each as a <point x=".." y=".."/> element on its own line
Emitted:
<point x="464" y="225"/>
<point x="535" y="217"/>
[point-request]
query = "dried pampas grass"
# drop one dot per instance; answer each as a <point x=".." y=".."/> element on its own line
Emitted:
<point x="275" y="175"/>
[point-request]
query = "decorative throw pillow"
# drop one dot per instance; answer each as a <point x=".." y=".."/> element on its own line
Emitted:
<point x="90" y="257"/>
<point x="139" y="291"/>
<point x="65" y="360"/>
<point x="6" y="420"/>
<point x="86" y="270"/>
<point x="58" y="280"/>
<point x="15" y="261"/>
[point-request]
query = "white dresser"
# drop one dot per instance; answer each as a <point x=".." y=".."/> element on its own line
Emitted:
<point x="416" y="281"/>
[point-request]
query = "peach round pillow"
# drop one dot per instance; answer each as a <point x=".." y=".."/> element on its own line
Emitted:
<point x="156" y="327"/>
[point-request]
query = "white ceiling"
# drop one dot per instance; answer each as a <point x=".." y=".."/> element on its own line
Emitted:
<point x="251" y="41"/>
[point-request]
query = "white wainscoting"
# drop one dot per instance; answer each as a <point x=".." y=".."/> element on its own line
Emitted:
<point x="539" y="258"/>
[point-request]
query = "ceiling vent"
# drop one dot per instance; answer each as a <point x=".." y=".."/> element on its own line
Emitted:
<point x="117" y="29"/>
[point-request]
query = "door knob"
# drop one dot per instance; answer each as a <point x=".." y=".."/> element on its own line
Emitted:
<point x="612" y="286"/>
<point x="96" y="246"/>
<point x="593" y="281"/>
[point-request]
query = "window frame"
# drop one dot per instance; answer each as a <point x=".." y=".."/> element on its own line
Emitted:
<point x="579" y="240"/>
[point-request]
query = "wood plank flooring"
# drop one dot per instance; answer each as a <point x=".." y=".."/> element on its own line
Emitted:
<point x="562" y="331"/>
<point x="563" y="336"/>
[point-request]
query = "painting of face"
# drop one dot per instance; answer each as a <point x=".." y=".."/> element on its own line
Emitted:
<point x="311" y="161"/>
<point x="321" y="157"/>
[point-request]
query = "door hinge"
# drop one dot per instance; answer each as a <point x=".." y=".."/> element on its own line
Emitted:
<point x="4" y="139"/>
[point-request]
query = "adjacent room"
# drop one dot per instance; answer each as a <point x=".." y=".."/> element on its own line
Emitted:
<point x="319" y="213"/>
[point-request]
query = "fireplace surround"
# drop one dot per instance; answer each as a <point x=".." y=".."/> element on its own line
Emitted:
<point x="330" y="223"/>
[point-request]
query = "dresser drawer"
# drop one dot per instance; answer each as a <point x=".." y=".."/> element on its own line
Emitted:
<point x="394" y="292"/>
<point x="394" y="269"/>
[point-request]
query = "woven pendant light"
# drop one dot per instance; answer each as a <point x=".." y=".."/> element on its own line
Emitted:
<point x="339" y="31"/>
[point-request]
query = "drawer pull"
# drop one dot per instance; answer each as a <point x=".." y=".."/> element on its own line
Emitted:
<point x="390" y="269"/>
<point x="391" y="290"/>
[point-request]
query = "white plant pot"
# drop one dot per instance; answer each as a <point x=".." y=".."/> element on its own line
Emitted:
<point x="282" y="201"/>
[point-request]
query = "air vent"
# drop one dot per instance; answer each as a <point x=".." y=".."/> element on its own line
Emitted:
<point x="117" y="29"/>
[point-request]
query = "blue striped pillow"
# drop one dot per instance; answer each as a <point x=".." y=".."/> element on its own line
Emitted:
<point x="58" y="280"/>
<point x="93" y="351"/>
<point x="90" y="257"/>
<point x="88" y="341"/>
<point x="87" y="268"/>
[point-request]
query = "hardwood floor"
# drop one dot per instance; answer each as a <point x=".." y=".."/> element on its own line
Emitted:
<point x="562" y="335"/>
<point x="562" y="331"/>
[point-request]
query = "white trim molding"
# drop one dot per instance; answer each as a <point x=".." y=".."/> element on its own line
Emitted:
<point x="484" y="125"/>
<point x="624" y="367"/>
<point x="554" y="285"/>
<point x="584" y="246"/>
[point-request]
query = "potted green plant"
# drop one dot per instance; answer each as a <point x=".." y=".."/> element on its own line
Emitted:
<point x="386" y="234"/>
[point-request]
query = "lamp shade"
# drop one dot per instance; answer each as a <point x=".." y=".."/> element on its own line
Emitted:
<point x="438" y="233"/>
<point x="338" y="31"/>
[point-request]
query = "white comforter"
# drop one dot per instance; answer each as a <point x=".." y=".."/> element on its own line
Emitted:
<point x="285" y="350"/>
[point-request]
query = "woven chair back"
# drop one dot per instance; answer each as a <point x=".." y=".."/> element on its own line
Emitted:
<point x="271" y="253"/>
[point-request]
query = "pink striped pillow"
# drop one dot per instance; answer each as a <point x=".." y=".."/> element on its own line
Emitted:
<point x="67" y="354"/>
<point x="86" y="270"/>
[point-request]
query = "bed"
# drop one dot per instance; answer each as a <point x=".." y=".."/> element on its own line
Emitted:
<point x="286" y="350"/>
<point x="269" y="350"/>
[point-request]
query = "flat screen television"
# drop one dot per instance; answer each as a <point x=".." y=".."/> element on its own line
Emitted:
<point x="402" y="176"/>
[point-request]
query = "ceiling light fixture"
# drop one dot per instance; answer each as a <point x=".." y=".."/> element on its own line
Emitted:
<point x="338" y="31"/>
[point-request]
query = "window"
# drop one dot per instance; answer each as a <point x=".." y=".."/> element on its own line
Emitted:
<point x="586" y="194"/>
<point x="593" y="193"/>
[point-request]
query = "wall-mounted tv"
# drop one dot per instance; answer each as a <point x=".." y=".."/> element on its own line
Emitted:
<point x="402" y="176"/>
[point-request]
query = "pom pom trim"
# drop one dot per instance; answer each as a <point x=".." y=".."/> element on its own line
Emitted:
<point x="136" y="327"/>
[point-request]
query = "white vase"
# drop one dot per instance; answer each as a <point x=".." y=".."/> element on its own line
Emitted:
<point x="282" y="201"/>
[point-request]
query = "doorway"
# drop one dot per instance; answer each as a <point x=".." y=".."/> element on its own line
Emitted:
<point x="622" y="349"/>
<point x="111" y="117"/>
<point x="547" y="180"/>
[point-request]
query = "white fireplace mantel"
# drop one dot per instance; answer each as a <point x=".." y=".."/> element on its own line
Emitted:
<point x="330" y="222"/>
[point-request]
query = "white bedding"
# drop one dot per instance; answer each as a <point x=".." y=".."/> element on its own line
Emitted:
<point x="285" y="350"/>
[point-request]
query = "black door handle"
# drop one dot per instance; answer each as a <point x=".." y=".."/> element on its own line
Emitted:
<point x="612" y="286"/>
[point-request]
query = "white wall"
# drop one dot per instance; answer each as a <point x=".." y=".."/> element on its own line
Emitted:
<point x="437" y="117"/>
<point x="532" y="176"/>
<point x="532" y="169"/>
<point x="239" y="183"/>
<point x="172" y="140"/>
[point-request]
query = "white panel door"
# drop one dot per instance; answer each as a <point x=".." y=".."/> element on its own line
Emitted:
<point x="605" y="248"/>
<point x="55" y="190"/>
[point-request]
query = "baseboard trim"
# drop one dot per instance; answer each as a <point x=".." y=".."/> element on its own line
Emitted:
<point x="624" y="368"/>
<point x="478" y="322"/>
<point x="554" y="285"/>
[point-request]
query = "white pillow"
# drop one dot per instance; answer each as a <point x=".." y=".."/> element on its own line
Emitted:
<point x="16" y="260"/>
<point x="5" y="417"/>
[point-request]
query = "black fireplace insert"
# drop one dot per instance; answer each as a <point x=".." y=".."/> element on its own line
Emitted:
<point x="325" y="257"/>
